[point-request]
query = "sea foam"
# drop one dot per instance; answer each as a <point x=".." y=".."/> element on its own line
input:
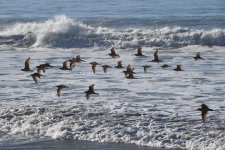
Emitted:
<point x="64" y="32"/>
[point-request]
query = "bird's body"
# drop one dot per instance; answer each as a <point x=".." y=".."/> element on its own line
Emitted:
<point x="204" y="111"/>
<point x="59" y="89"/>
<point x="113" y="53"/>
<point x="130" y="75"/>
<point x="119" y="65"/>
<point x="78" y="59"/>
<point x="139" y="52"/>
<point x="178" y="68"/>
<point x="94" y="64"/>
<point x="66" y="65"/>
<point x="129" y="70"/>
<point x="105" y="67"/>
<point x="146" y="67"/>
<point x="156" y="57"/>
<point x="197" y="57"/>
<point x="164" y="66"/>
<point x="35" y="76"/>
<point x="90" y="91"/>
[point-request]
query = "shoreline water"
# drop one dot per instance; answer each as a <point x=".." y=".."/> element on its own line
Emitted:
<point x="78" y="145"/>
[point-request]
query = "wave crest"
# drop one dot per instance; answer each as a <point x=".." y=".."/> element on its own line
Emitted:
<point x="64" y="32"/>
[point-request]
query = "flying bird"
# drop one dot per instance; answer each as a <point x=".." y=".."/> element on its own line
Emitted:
<point x="113" y="53"/>
<point x="146" y="67"/>
<point x="78" y="59"/>
<point x="129" y="72"/>
<point x="164" y="66"/>
<point x="178" y="68"/>
<point x="27" y="65"/>
<point x="105" y="67"/>
<point x="59" y="89"/>
<point x="35" y="76"/>
<point x="204" y="111"/>
<point x="94" y="64"/>
<point x="90" y="91"/>
<point x="119" y="65"/>
<point x="156" y="57"/>
<point x="139" y="52"/>
<point x="198" y="57"/>
<point x="66" y="65"/>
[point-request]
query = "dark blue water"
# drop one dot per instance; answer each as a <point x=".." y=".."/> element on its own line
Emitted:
<point x="201" y="13"/>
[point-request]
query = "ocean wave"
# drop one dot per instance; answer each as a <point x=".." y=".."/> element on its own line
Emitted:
<point x="64" y="32"/>
<point x="103" y="125"/>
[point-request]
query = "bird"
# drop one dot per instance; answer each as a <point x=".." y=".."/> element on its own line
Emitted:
<point x="156" y="57"/>
<point x="46" y="65"/>
<point x="130" y="75"/>
<point x="72" y="65"/>
<point x="198" y="56"/>
<point x="90" y="91"/>
<point x="27" y="65"/>
<point x="129" y="71"/>
<point x="40" y="69"/>
<point x="113" y="53"/>
<point x="59" y="89"/>
<point x="204" y="111"/>
<point x="164" y="66"/>
<point x="146" y="67"/>
<point x="78" y="59"/>
<point x="119" y="65"/>
<point x="66" y="65"/>
<point x="178" y="68"/>
<point x="139" y="52"/>
<point x="105" y="67"/>
<point x="94" y="64"/>
<point x="35" y="76"/>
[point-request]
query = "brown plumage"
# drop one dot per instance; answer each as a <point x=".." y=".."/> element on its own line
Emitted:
<point x="66" y="65"/>
<point x="165" y="66"/>
<point x="139" y="52"/>
<point x="129" y="71"/>
<point x="42" y="67"/>
<point x="35" y="76"/>
<point x="90" y="91"/>
<point x="198" y="57"/>
<point x="146" y="67"/>
<point x="130" y="75"/>
<point x="105" y="67"/>
<point x="204" y="111"/>
<point x="119" y="65"/>
<point x="94" y="64"/>
<point x="156" y="57"/>
<point x="72" y="65"/>
<point x="27" y="65"/>
<point x="59" y="89"/>
<point x="178" y="68"/>
<point x="113" y="53"/>
<point x="78" y="59"/>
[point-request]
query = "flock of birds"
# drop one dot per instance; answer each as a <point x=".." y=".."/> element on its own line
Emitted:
<point x="129" y="72"/>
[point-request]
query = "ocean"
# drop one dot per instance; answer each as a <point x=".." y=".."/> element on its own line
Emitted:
<point x="156" y="110"/>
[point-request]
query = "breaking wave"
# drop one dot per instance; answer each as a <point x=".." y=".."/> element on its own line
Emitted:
<point x="64" y="32"/>
<point x="103" y="125"/>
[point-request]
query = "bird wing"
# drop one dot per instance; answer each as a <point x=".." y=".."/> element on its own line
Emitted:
<point x="93" y="68"/>
<point x="27" y="64"/>
<point x="59" y="91"/>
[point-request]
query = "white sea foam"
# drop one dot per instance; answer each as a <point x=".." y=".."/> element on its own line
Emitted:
<point x="157" y="109"/>
<point x="65" y="32"/>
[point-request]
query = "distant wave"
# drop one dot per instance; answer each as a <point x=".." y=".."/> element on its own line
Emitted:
<point x="64" y="32"/>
